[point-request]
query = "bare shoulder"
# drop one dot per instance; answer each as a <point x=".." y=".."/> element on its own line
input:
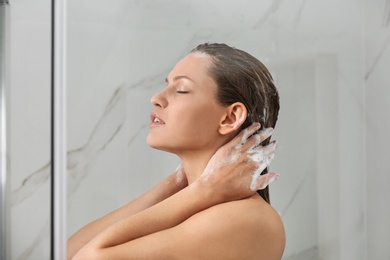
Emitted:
<point x="244" y="229"/>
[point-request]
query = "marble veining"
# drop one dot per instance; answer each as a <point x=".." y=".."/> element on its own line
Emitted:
<point x="298" y="188"/>
<point x="278" y="23"/>
<point x="378" y="56"/>
<point x="386" y="41"/>
<point x="299" y="14"/>
<point x="79" y="159"/>
<point x="272" y="9"/>
<point x="27" y="253"/>
<point x="386" y="14"/>
<point x="30" y="184"/>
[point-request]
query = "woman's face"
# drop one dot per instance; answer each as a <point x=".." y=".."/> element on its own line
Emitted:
<point x="186" y="114"/>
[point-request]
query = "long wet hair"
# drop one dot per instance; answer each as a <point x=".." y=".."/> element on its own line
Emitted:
<point x="240" y="77"/>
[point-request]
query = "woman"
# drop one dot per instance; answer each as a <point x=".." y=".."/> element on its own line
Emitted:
<point x="208" y="208"/>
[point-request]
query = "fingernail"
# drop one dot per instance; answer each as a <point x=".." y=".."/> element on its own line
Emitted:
<point x="257" y="125"/>
<point x="270" y="130"/>
<point x="273" y="178"/>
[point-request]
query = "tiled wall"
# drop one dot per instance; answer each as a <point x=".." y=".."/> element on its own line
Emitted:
<point x="329" y="62"/>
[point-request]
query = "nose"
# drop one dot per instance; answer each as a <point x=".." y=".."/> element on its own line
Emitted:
<point x="159" y="100"/>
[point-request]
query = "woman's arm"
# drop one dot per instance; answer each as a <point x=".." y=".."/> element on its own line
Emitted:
<point x="161" y="191"/>
<point x="225" y="181"/>
<point x="233" y="230"/>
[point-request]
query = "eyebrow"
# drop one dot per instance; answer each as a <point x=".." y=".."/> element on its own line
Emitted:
<point x="180" y="77"/>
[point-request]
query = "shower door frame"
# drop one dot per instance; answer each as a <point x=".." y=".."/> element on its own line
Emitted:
<point x="58" y="120"/>
<point x="58" y="130"/>
<point x="4" y="173"/>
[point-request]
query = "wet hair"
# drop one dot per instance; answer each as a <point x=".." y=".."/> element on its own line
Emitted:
<point x="240" y="77"/>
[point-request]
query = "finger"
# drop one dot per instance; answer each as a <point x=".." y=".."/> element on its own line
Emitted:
<point x="179" y="168"/>
<point x="244" y="134"/>
<point x="263" y="150"/>
<point x="255" y="140"/>
<point x="264" y="180"/>
<point x="179" y="176"/>
<point x="251" y="143"/>
<point x="265" y="133"/>
<point x="261" y="166"/>
<point x="260" y="157"/>
<point x="262" y="163"/>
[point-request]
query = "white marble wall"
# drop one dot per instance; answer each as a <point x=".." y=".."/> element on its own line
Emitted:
<point x="377" y="79"/>
<point x="29" y="125"/>
<point x="329" y="61"/>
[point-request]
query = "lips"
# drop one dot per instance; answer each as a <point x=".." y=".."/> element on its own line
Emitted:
<point x="156" y="120"/>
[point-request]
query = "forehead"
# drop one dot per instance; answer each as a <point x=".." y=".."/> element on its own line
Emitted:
<point x="194" y="66"/>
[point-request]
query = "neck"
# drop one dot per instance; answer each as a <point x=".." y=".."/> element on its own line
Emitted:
<point x="194" y="163"/>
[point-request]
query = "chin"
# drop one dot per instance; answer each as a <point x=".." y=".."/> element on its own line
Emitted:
<point x="161" y="147"/>
<point x="155" y="145"/>
<point x="151" y="143"/>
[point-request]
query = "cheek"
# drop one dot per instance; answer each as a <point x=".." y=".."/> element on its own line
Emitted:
<point x="200" y="120"/>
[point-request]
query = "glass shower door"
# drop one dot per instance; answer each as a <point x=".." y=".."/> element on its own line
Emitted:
<point x="26" y="129"/>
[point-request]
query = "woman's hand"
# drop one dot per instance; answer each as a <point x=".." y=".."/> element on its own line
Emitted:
<point x="234" y="171"/>
<point x="179" y="178"/>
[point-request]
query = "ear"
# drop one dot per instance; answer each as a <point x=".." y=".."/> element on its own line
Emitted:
<point x="234" y="117"/>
